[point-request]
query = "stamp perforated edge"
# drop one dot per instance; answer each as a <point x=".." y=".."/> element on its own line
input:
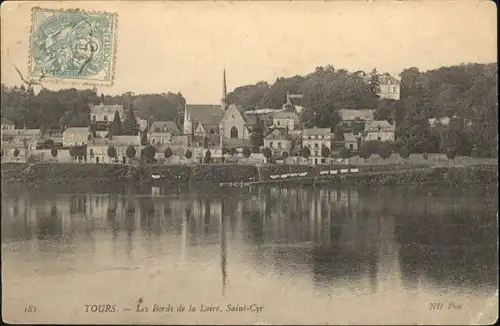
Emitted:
<point x="61" y="80"/>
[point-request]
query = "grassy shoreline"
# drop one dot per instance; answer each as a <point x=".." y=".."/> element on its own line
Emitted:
<point x="101" y="174"/>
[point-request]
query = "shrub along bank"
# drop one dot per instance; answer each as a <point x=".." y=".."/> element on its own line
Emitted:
<point x="181" y="174"/>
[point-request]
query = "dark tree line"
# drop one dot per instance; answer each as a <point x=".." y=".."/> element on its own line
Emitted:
<point x="70" y="107"/>
<point x="467" y="93"/>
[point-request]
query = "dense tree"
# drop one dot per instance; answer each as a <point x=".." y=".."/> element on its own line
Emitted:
<point x="267" y="153"/>
<point x="384" y="151"/>
<point x="208" y="157"/>
<point x="364" y="152"/>
<point x="246" y="152"/>
<point x="375" y="84"/>
<point x="116" y="126"/>
<point x="305" y="152"/>
<point x="325" y="151"/>
<point x="130" y="126"/>
<point x="344" y="153"/>
<point x="404" y="152"/>
<point x="111" y="152"/>
<point x="257" y="135"/>
<point x="130" y="151"/>
<point x="168" y="153"/>
<point x="148" y="153"/>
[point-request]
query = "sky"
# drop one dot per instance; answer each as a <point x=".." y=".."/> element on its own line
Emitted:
<point x="184" y="46"/>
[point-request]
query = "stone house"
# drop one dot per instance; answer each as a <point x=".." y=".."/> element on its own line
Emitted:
<point x="7" y="124"/>
<point x="97" y="148"/>
<point x="351" y="141"/>
<point x="201" y="120"/>
<point x="102" y="116"/>
<point x="285" y="120"/>
<point x="76" y="136"/>
<point x="161" y="132"/>
<point x="315" y="139"/>
<point x="279" y="142"/>
<point x="380" y="131"/>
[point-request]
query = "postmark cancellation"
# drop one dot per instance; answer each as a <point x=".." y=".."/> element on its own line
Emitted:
<point x="72" y="46"/>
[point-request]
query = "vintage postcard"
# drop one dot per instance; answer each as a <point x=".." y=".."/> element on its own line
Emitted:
<point x="249" y="162"/>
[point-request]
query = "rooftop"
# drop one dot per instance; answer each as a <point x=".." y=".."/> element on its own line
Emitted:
<point x="77" y="129"/>
<point x="347" y="114"/>
<point x="106" y="108"/>
<point x="285" y="115"/>
<point x="278" y="134"/>
<point x="165" y="126"/>
<point x="382" y="124"/>
<point x="317" y="131"/>
<point x="206" y="114"/>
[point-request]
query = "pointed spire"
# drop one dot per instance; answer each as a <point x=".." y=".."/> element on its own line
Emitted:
<point x="223" y="102"/>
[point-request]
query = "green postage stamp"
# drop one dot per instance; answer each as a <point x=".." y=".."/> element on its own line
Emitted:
<point x="72" y="46"/>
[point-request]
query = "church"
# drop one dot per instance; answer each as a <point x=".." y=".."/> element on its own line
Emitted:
<point x="224" y="125"/>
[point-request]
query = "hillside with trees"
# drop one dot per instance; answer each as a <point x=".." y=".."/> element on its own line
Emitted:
<point x="70" y="107"/>
<point x="467" y="92"/>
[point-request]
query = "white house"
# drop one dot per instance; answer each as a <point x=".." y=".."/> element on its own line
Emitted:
<point x="379" y="130"/>
<point x="7" y="124"/>
<point x="315" y="139"/>
<point x="279" y="142"/>
<point x="161" y="132"/>
<point x="105" y="112"/>
<point x="389" y="87"/>
<point x="285" y="120"/>
<point x="74" y="136"/>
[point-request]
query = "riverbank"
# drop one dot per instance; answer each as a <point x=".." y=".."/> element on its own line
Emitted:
<point x="103" y="174"/>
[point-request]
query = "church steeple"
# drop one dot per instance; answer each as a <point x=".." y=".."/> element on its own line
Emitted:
<point x="223" y="101"/>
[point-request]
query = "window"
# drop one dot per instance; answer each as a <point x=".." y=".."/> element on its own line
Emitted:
<point x="277" y="122"/>
<point x="94" y="118"/>
<point x="316" y="145"/>
<point x="320" y="137"/>
<point x="279" y="144"/>
<point x="271" y="144"/>
<point x="379" y="139"/>
<point x="351" y="146"/>
<point x="105" y="118"/>
<point x="234" y="132"/>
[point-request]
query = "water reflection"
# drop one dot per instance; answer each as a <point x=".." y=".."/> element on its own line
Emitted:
<point x="362" y="240"/>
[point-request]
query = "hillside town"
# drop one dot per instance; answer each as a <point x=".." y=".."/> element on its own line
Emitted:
<point x="290" y="130"/>
<point x="209" y="133"/>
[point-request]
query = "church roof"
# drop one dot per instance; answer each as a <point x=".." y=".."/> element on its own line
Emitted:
<point x="206" y="114"/>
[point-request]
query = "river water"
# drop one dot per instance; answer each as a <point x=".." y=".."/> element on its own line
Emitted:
<point x="293" y="255"/>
